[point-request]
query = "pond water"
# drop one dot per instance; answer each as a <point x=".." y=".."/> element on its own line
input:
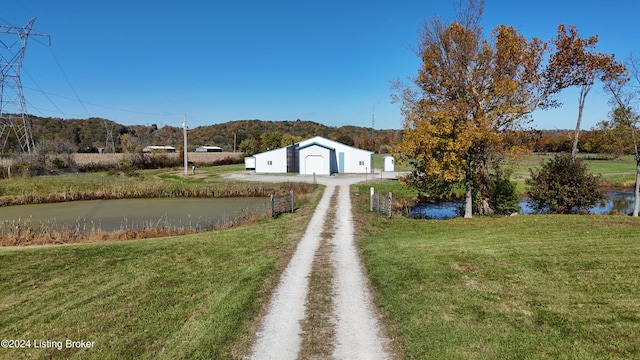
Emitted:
<point x="621" y="201"/>
<point x="112" y="215"/>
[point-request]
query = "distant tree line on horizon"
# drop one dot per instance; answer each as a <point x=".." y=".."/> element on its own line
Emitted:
<point x="252" y="136"/>
<point x="249" y="136"/>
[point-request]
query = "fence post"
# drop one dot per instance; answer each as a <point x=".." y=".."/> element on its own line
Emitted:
<point x="291" y="195"/>
<point x="371" y="199"/>
<point x="273" y="214"/>
<point x="390" y="202"/>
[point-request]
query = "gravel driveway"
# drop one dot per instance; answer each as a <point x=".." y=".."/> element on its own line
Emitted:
<point x="358" y="334"/>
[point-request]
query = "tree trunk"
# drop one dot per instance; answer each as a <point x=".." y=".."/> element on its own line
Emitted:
<point x="468" y="184"/>
<point x="637" y="192"/>
<point x="468" y="206"/>
<point x="484" y="208"/>
<point x="583" y="96"/>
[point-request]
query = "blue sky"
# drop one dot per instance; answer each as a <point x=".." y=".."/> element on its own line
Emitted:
<point x="141" y="62"/>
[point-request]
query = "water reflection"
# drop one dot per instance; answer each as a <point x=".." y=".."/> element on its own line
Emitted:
<point x="618" y="201"/>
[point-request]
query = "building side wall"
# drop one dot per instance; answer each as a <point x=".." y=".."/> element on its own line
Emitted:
<point x="274" y="161"/>
<point x="356" y="160"/>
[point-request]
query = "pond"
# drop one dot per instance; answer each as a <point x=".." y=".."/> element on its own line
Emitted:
<point x="112" y="215"/>
<point x="620" y="201"/>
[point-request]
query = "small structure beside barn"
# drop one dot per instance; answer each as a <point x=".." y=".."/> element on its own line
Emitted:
<point x="316" y="155"/>
<point x="388" y="163"/>
<point x="250" y="163"/>
<point x="208" y="149"/>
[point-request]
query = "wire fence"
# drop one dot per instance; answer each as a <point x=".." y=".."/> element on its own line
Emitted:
<point x="281" y="204"/>
<point x="380" y="203"/>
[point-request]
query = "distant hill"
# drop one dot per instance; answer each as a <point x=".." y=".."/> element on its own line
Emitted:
<point x="87" y="135"/>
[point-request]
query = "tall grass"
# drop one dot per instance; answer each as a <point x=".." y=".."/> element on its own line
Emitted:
<point x="147" y="189"/>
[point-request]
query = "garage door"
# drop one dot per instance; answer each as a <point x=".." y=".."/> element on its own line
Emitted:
<point x="315" y="164"/>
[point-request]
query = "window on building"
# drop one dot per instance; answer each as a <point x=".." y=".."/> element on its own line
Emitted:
<point x="269" y="162"/>
<point x="361" y="163"/>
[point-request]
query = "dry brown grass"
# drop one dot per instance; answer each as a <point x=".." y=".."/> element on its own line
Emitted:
<point x="112" y="159"/>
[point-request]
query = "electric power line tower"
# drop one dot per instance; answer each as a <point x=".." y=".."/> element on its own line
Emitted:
<point x="13" y="108"/>
<point x="109" y="146"/>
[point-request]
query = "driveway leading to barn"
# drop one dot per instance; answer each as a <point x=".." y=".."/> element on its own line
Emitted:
<point x="357" y="333"/>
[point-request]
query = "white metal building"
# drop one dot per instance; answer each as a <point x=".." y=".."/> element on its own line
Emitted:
<point x="315" y="155"/>
<point x="208" y="149"/>
<point x="159" y="148"/>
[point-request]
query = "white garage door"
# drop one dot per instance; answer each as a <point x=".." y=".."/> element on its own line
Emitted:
<point x="315" y="164"/>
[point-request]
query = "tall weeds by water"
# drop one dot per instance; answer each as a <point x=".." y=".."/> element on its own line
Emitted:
<point x="145" y="189"/>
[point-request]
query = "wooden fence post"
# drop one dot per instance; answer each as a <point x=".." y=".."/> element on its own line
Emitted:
<point x="273" y="214"/>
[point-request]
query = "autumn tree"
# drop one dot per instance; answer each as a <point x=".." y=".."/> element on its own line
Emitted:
<point x="289" y="139"/>
<point x="271" y="139"/>
<point x="130" y="143"/>
<point x="468" y="92"/>
<point x="575" y="62"/>
<point x="249" y="146"/>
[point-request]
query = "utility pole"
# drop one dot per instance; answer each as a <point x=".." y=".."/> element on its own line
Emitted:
<point x="373" y="123"/>
<point x="184" y="135"/>
<point x="13" y="108"/>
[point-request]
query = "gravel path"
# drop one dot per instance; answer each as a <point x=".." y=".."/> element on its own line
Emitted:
<point x="358" y="335"/>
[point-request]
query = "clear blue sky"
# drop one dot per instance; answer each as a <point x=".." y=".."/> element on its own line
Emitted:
<point x="141" y="62"/>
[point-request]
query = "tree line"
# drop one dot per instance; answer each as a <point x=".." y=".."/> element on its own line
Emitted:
<point x="249" y="136"/>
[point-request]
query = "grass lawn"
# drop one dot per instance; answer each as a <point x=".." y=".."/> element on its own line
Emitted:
<point x="619" y="172"/>
<point x="190" y="297"/>
<point x="533" y="286"/>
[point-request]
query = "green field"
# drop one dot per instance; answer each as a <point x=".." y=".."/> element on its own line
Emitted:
<point x="533" y="286"/>
<point x="615" y="172"/>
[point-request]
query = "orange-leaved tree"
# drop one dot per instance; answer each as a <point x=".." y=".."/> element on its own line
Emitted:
<point x="468" y="92"/>
<point x="576" y="63"/>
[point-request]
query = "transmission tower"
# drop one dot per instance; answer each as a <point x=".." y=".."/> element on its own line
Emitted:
<point x="13" y="108"/>
<point x="109" y="145"/>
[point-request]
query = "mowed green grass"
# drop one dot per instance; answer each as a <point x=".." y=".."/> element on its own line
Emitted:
<point x="617" y="172"/>
<point x="188" y="297"/>
<point x="533" y="286"/>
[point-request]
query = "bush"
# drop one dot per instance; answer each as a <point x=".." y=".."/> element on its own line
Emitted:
<point x="58" y="163"/>
<point x="505" y="200"/>
<point x="563" y="185"/>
